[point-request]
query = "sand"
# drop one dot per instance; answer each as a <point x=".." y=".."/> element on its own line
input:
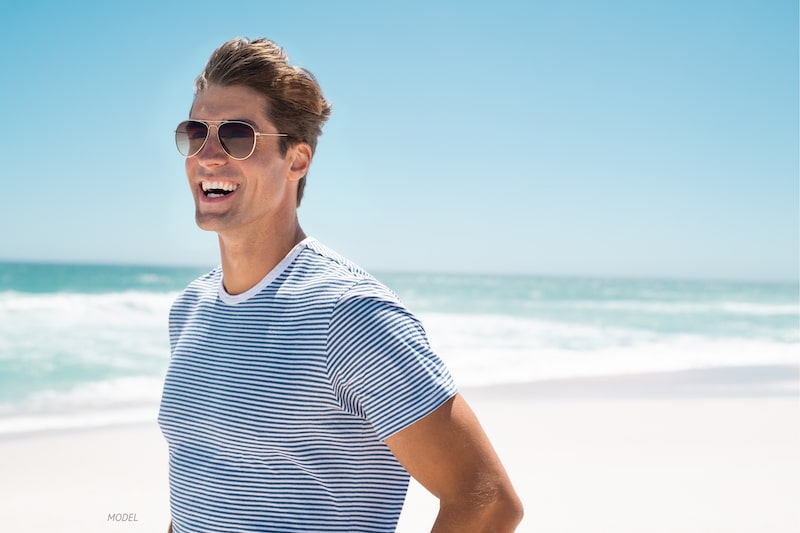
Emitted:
<point x="706" y="451"/>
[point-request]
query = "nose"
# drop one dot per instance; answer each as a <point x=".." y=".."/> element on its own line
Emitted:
<point x="212" y="152"/>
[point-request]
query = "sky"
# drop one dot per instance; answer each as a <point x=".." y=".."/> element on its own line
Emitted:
<point x="575" y="138"/>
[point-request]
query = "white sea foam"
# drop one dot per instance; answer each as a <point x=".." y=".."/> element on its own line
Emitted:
<point x="94" y="404"/>
<point x="80" y="360"/>
<point x="98" y="395"/>
<point x="70" y="308"/>
<point x="490" y="349"/>
<point x="684" y="307"/>
<point x="110" y="326"/>
<point x="72" y="360"/>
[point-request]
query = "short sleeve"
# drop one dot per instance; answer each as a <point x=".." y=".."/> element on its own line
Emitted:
<point x="380" y="363"/>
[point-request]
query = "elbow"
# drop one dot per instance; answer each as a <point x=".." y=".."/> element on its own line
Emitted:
<point x="517" y="511"/>
<point x="496" y="511"/>
<point x="501" y="507"/>
<point x="508" y="512"/>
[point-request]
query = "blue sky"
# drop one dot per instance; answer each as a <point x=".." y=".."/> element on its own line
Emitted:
<point x="620" y="138"/>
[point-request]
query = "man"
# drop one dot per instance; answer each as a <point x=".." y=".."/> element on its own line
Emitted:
<point x="300" y="392"/>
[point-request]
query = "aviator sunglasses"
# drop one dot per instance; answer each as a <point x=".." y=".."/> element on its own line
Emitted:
<point x="236" y="137"/>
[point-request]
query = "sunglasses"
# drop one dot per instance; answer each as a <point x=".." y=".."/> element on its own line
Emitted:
<point x="237" y="138"/>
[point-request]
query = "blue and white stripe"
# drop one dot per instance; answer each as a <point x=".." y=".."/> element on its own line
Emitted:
<point x="276" y="401"/>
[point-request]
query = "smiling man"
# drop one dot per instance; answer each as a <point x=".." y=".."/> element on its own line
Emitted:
<point x="300" y="393"/>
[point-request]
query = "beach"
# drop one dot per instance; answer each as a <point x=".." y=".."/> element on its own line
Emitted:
<point x="616" y="405"/>
<point x="693" y="451"/>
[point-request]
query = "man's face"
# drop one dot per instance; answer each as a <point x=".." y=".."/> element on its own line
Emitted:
<point x="260" y="191"/>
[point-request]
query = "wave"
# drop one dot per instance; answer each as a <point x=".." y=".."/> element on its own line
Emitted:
<point x="688" y="307"/>
<point x="68" y="322"/>
<point x="57" y="343"/>
<point x="56" y="304"/>
<point x="492" y="349"/>
<point x="95" y="404"/>
<point x="76" y="359"/>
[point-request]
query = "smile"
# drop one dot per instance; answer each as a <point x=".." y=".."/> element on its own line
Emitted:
<point x="217" y="189"/>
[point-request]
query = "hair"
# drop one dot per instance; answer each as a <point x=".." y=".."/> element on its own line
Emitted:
<point x="295" y="104"/>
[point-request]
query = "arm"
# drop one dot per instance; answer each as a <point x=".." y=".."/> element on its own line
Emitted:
<point x="451" y="456"/>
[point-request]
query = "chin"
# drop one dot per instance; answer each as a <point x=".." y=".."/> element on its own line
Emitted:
<point x="208" y="222"/>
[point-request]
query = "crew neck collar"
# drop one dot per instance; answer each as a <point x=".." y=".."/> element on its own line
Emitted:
<point x="233" y="299"/>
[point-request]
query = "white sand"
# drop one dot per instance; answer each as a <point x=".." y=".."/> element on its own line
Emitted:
<point x="71" y="481"/>
<point x="640" y="454"/>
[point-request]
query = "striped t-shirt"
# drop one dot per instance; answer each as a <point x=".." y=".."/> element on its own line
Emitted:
<point x="277" y="401"/>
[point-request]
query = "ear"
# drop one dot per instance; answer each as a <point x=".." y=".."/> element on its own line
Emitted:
<point x="300" y="161"/>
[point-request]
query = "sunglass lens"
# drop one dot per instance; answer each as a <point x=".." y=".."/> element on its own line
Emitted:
<point x="190" y="136"/>
<point x="237" y="138"/>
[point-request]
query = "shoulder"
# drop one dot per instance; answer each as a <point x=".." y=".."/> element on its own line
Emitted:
<point x="323" y="270"/>
<point x="320" y="259"/>
<point x="354" y="294"/>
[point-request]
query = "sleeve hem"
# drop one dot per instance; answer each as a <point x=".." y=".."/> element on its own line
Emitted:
<point x="410" y="421"/>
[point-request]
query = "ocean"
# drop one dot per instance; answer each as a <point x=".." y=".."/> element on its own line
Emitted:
<point x="87" y="345"/>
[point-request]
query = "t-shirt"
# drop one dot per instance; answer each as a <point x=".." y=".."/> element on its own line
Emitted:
<point x="277" y="400"/>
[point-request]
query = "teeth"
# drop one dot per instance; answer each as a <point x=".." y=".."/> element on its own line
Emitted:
<point x="218" y="186"/>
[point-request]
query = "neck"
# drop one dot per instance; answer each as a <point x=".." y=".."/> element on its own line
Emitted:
<point x="247" y="259"/>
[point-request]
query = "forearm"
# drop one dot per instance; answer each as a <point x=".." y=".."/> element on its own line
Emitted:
<point x="448" y="453"/>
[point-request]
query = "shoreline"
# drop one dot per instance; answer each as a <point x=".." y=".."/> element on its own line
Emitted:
<point x="777" y="380"/>
<point x="773" y="380"/>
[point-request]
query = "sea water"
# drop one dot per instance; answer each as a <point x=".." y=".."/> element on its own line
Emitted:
<point x="87" y="345"/>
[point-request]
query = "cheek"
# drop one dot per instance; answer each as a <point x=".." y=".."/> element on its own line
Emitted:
<point x="187" y="167"/>
<point x="190" y="168"/>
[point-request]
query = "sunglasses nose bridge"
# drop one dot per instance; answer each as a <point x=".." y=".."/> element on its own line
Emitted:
<point x="211" y="139"/>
